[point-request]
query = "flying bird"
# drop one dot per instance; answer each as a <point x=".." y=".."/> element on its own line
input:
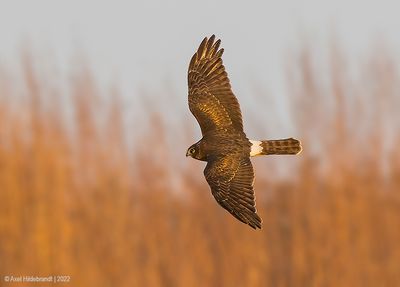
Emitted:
<point x="224" y="145"/>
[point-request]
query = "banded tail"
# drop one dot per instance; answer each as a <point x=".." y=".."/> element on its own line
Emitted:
<point x="284" y="146"/>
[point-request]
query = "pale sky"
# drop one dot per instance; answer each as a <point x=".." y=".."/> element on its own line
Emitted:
<point x="146" y="45"/>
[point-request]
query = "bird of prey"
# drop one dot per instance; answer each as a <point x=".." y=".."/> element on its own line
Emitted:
<point x="224" y="145"/>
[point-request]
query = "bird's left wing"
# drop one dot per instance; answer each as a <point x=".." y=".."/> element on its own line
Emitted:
<point x="231" y="180"/>
<point x="211" y="99"/>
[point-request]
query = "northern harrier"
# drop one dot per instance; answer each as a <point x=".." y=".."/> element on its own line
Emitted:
<point x="224" y="145"/>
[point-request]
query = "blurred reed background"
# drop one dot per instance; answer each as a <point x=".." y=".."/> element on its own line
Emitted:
<point x="78" y="198"/>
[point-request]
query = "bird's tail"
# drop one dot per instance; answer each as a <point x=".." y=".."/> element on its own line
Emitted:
<point x="267" y="147"/>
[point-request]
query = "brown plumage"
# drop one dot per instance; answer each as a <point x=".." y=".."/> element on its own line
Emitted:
<point x="224" y="145"/>
<point x="285" y="146"/>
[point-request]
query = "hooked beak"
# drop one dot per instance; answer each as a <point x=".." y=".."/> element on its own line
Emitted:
<point x="187" y="153"/>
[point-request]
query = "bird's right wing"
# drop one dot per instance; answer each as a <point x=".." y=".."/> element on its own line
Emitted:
<point x="211" y="99"/>
<point x="231" y="180"/>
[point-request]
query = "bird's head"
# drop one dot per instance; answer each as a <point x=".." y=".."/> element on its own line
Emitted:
<point x="194" y="151"/>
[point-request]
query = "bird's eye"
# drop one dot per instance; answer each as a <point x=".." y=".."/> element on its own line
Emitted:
<point x="192" y="150"/>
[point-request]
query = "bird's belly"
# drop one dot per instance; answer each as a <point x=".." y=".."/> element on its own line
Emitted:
<point x="224" y="144"/>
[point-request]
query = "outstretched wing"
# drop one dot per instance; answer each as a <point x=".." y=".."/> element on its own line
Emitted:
<point x="211" y="99"/>
<point x="231" y="180"/>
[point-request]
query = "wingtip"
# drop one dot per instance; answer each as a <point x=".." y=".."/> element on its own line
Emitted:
<point x="212" y="38"/>
<point x="257" y="226"/>
<point x="201" y="49"/>
<point x="255" y="221"/>
<point x="208" y="47"/>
